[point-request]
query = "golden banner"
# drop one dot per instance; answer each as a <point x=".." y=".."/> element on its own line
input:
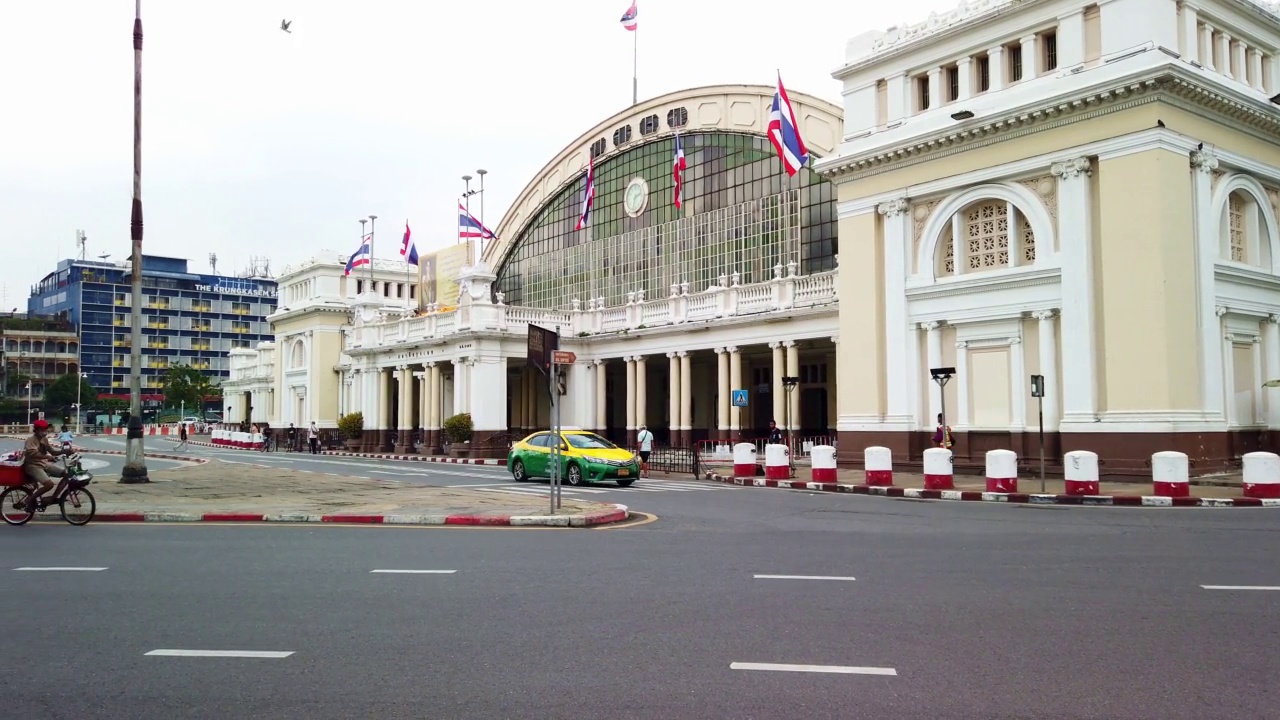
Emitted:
<point x="438" y="274"/>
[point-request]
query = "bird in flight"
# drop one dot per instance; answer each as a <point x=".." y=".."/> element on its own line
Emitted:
<point x="284" y="25"/>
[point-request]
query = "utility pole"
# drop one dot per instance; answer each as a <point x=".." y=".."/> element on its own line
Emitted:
<point x="135" y="466"/>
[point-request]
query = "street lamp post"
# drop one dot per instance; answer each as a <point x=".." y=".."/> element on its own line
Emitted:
<point x="79" y="407"/>
<point x="28" y="402"/>
<point x="942" y="376"/>
<point x="135" y="467"/>
<point x="480" y="246"/>
<point x="790" y="383"/>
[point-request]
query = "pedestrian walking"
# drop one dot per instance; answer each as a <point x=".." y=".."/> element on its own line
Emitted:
<point x="182" y="436"/>
<point x="313" y="438"/>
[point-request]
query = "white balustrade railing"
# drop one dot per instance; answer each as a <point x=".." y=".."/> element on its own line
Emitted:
<point x="728" y="298"/>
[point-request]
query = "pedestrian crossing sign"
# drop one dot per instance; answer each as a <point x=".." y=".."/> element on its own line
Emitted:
<point x="739" y="398"/>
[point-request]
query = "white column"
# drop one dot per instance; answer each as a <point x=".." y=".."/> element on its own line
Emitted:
<point x="933" y="347"/>
<point x="1079" y="334"/>
<point x="965" y="69"/>
<point x="420" y="379"/>
<point x="793" y="370"/>
<point x="673" y="395"/>
<point x="1015" y="237"/>
<point x="385" y="421"/>
<point x="1259" y="413"/>
<point x="959" y="250"/>
<point x="588" y="394"/>
<point x="896" y="219"/>
<point x="1049" y="368"/>
<point x="1207" y="233"/>
<point x="686" y="392"/>
<point x="935" y="88"/>
<point x="897" y="95"/>
<point x="1190" y="34"/>
<point x="962" y="385"/>
<point x="735" y="379"/>
<point x="437" y="396"/>
<point x="1227" y="348"/>
<point x="642" y="392"/>
<point x="778" y="390"/>
<point x="995" y="71"/>
<point x="1207" y="45"/>
<point x="459" y="374"/>
<point x="1271" y="358"/>
<point x="1222" y="55"/>
<point x="1018" y="382"/>
<point x="602" y="391"/>
<point x="1030" y="60"/>
<point x="488" y="380"/>
<point x="914" y="374"/>
<point x="1255" y="69"/>
<point x="631" y="393"/>
<point x="1239" y="60"/>
<point x="722" y="382"/>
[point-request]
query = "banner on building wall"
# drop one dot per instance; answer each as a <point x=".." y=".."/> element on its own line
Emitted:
<point x="438" y="274"/>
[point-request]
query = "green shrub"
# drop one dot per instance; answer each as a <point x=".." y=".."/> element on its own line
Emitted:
<point x="352" y="426"/>
<point x="459" y="428"/>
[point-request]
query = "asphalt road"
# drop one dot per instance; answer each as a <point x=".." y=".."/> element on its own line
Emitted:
<point x="103" y="467"/>
<point x="978" y="611"/>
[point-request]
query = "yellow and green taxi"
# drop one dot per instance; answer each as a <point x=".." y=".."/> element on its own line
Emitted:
<point x="585" y="458"/>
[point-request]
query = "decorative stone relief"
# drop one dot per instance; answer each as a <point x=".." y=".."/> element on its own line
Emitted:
<point x="920" y="213"/>
<point x="1047" y="190"/>
<point x="1273" y="196"/>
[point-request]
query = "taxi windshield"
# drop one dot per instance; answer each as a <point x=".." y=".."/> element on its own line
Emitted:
<point x="589" y="442"/>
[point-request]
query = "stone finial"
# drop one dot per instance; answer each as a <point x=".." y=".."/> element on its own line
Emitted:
<point x="500" y="297"/>
<point x="792" y="267"/>
<point x="777" y="271"/>
<point x="575" y="302"/>
<point x="723" y="280"/>
<point x="640" y="296"/>
<point x="631" y="298"/>
<point x="684" y="288"/>
<point x="675" y="289"/>
<point x="736" y="278"/>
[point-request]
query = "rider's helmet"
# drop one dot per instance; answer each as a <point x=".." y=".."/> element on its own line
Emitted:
<point x="40" y="424"/>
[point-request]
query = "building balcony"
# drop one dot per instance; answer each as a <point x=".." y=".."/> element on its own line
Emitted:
<point x="158" y="325"/>
<point x="782" y="296"/>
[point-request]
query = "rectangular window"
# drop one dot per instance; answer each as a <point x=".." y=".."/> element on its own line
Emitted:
<point x="984" y="73"/>
<point x="239" y="327"/>
<point x="953" y="83"/>
<point x="1049" y="43"/>
<point x="1092" y="33"/>
<point x="239" y="308"/>
<point x="922" y="93"/>
<point x="1015" y="62"/>
<point x="882" y="103"/>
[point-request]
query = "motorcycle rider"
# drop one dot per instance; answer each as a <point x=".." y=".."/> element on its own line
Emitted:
<point x="37" y="456"/>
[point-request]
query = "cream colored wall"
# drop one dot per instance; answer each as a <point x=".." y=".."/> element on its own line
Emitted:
<point x="326" y="348"/>
<point x="990" y="404"/>
<point x="860" y="371"/>
<point x="1147" y="279"/>
<point x="951" y="394"/>
<point x="1246" y="395"/>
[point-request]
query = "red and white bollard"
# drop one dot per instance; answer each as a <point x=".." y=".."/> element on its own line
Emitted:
<point x="1170" y="474"/>
<point x="744" y="460"/>
<point x="1080" y="471"/>
<point x="938" y="472"/>
<point x="822" y="460"/>
<point x="878" y="462"/>
<point x="1262" y="475"/>
<point x="777" y="462"/>
<point x="1002" y="471"/>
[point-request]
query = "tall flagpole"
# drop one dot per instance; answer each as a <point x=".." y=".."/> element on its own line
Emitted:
<point x="480" y="249"/>
<point x="405" y="250"/>
<point x="466" y="179"/>
<point x="635" y="64"/>
<point x="373" y="228"/>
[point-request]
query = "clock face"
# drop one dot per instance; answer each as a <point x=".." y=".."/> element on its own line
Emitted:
<point x="636" y="197"/>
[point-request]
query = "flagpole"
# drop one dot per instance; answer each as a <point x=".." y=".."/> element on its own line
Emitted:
<point x="363" y="235"/>
<point x="373" y="228"/>
<point x="407" y="285"/>
<point x="635" y="63"/>
<point x="466" y="179"/>
<point x="480" y="242"/>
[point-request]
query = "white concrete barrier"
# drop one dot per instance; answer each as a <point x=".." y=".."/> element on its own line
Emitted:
<point x="777" y="462"/>
<point x="1262" y="475"/>
<point x="1002" y="471"/>
<point x="1080" y="471"/>
<point x="938" y="472"/>
<point x="1170" y="474"/>
<point x="878" y="465"/>
<point x="744" y="460"/>
<point x="822" y="459"/>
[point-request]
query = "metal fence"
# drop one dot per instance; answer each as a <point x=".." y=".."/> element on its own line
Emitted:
<point x="674" y="460"/>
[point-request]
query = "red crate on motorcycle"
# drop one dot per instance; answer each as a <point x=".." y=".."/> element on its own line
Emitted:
<point x="10" y="474"/>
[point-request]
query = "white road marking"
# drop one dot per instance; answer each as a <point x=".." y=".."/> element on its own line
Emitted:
<point x="801" y="577"/>
<point x="221" y="653"/>
<point x="61" y="569"/>
<point x="839" y="669"/>
<point x="415" y="572"/>
<point x="1240" y="587"/>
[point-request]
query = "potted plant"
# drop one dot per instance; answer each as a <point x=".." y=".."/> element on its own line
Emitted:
<point x="458" y="430"/>
<point x="351" y="427"/>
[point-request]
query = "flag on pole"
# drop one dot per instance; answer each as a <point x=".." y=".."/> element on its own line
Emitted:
<point x="784" y="132"/>
<point x="361" y="257"/>
<point x="470" y="227"/>
<point x="629" y="17"/>
<point x="588" y="194"/>
<point x="677" y="171"/>
<point x="408" y="250"/>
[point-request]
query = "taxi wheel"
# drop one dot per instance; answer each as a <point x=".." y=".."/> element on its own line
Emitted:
<point x="573" y="474"/>
<point x="625" y="482"/>
<point x="517" y="472"/>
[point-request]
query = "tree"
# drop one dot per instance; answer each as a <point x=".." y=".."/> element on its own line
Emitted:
<point x="185" y="385"/>
<point x="112" y="406"/>
<point x="62" y="394"/>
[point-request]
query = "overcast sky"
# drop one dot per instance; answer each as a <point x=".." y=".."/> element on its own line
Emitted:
<point x="258" y="142"/>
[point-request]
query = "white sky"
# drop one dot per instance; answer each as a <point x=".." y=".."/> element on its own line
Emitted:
<point x="257" y="142"/>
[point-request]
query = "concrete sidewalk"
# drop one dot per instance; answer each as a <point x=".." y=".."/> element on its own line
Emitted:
<point x="218" y="491"/>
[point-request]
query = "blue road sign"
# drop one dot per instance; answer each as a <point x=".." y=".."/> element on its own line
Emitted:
<point x="739" y="398"/>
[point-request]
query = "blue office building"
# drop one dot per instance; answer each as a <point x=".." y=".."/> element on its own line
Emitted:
<point x="187" y="318"/>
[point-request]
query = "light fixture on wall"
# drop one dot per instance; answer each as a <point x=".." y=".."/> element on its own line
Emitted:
<point x="962" y="115"/>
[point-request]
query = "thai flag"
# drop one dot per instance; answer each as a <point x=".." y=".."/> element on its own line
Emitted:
<point x="589" y="194"/>
<point x="469" y="227"/>
<point x="361" y="257"/>
<point x="677" y="172"/>
<point x="408" y="250"/>
<point x="784" y="132"/>
<point x="629" y="17"/>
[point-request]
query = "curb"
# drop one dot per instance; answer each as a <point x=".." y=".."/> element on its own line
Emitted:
<point x="376" y="456"/>
<point x="1014" y="498"/>
<point x="619" y="513"/>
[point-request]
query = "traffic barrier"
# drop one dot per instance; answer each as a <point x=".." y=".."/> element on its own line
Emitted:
<point x="1262" y="475"/>
<point x="1080" y="472"/>
<point x="822" y="460"/>
<point x="777" y="462"/>
<point x="938" y="473"/>
<point x="744" y="460"/>
<point x="878" y="465"/>
<point x="1002" y="471"/>
<point x="1170" y="474"/>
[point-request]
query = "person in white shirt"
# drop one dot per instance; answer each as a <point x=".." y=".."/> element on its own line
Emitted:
<point x="313" y="438"/>
<point x="644" y="439"/>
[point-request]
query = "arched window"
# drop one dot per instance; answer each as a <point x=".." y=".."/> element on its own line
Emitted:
<point x="985" y="242"/>
<point x="298" y="357"/>
<point x="37" y="346"/>
<point x="1243" y="231"/>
